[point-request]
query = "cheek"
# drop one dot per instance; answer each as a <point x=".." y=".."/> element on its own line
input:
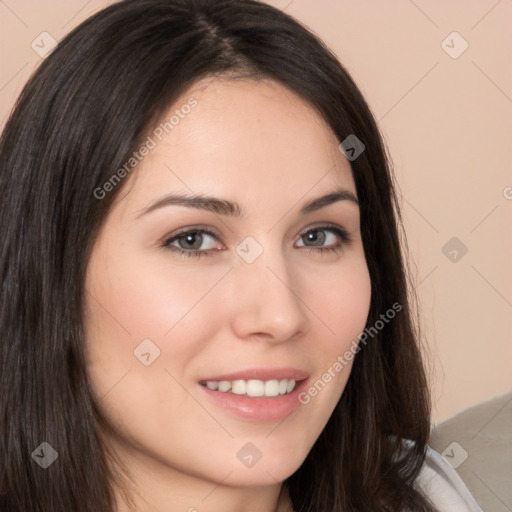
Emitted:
<point x="342" y="303"/>
<point x="131" y="300"/>
<point x="148" y="298"/>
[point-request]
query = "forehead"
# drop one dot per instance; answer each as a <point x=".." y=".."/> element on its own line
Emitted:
<point x="241" y="138"/>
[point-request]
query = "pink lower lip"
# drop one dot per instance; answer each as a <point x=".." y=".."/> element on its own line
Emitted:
<point x="258" y="408"/>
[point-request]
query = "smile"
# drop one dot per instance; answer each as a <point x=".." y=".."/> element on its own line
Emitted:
<point x="252" y="387"/>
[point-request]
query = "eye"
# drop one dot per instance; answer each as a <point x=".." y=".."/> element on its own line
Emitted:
<point x="190" y="242"/>
<point x="318" y="241"/>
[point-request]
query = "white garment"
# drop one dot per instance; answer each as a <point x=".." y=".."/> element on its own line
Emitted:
<point x="443" y="485"/>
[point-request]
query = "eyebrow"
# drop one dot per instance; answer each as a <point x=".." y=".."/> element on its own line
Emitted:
<point x="225" y="207"/>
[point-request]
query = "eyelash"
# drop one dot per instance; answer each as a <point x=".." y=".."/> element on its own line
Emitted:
<point x="337" y="230"/>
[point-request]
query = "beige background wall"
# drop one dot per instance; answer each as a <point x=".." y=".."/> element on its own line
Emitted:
<point x="446" y="115"/>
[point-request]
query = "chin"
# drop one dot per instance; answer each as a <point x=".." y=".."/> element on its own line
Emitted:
<point x="275" y="465"/>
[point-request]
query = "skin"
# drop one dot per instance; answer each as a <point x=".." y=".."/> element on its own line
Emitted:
<point x="259" y="144"/>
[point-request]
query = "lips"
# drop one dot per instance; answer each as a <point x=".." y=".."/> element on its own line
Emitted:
<point x="245" y="400"/>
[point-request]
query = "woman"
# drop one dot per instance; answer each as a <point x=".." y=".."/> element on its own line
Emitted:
<point x="204" y="304"/>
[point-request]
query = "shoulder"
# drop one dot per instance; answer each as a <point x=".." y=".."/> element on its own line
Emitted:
<point x="443" y="485"/>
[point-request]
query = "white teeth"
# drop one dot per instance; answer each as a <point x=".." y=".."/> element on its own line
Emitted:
<point x="271" y="388"/>
<point x="253" y="387"/>
<point x="239" y="387"/>
<point x="224" y="385"/>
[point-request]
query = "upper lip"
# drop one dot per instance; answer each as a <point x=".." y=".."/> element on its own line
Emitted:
<point x="263" y="374"/>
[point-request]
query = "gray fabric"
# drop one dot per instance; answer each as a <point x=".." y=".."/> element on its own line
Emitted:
<point x="478" y="443"/>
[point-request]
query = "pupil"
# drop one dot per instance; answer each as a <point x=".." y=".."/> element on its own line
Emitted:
<point x="189" y="239"/>
<point x="313" y="237"/>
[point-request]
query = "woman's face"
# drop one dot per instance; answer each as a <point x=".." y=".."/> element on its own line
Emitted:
<point x="258" y="307"/>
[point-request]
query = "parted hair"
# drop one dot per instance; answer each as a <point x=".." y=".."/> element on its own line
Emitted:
<point x="81" y="114"/>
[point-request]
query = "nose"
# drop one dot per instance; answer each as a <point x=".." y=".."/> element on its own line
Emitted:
<point x="268" y="304"/>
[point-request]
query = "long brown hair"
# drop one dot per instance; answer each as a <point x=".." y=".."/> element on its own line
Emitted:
<point x="78" y="119"/>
